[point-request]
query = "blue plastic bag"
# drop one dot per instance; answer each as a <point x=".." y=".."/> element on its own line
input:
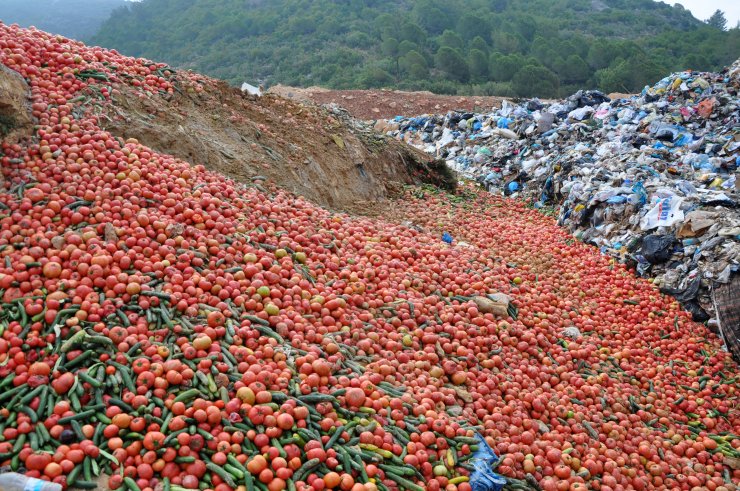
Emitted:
<point x="639" y="196"/>
<point x="447" y="238"/>
<point x="483" y="478"/>
<point x="546" y="191"/>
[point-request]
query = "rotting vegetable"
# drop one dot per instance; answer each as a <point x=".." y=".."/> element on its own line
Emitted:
<point x="176" y="330"/>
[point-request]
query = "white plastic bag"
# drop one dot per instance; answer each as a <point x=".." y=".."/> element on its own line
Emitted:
<point x="664" y="213"/>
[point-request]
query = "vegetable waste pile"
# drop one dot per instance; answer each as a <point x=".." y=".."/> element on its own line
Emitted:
<point x="174" y="329"/>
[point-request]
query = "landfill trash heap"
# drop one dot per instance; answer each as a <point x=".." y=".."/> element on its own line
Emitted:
<point x="650" y="179"/>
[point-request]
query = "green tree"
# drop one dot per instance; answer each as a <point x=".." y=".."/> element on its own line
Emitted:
<point x="470" y="25"/>
<point x="389" y="47"/>
<point x="631" y="74"/>
<point x="574" y="70"/>
<point x="415" y="65"/>
<point x="405" y="46"/>
<point x="302" y="42"/>
<point x="430" y="17"/>
<point x="502" y="68"/>
<point x="614" y="78"/>
<point x="526" y="26"/>
<point x="506" y="42"/>
<point x="374" y="77"/>
<point x="478" y="62"/>
<point x="451" y="62"/>
<point x="451" y="39"/>
<point x="389" y="26"/>
<point x="535" y="81"/>
<point x="411" y="31"/>
<point x="541" y="48"/>
<point x="718" y="20"/>
<point x="695" y="61"/>
<point x="499" y="5"/>
<point x="358" y="39"/>
<point x="546" y="52"/>
<point x="601" y="53"/>
<point x="302" y="25"/>
<point x="479" y="43"/>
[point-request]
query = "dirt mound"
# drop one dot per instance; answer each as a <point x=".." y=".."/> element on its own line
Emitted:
<point x="325" y="156"/>
<point x="386" y="104"/>
<point x="15" y="106"/>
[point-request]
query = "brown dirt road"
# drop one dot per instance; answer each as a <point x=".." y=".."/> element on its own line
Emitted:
<point x="386" y="104"/>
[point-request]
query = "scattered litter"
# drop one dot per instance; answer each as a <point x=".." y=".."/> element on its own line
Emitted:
<point x="252" y="90"/>
<point x="483" y="477"/>
<point x="496" y="304"/>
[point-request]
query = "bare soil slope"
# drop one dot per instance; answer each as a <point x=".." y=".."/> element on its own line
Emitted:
<point x="15" y="106"/>
<point x="327" y="157"/>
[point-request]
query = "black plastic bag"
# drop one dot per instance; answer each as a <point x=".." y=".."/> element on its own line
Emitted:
<point x="687" y="294"/>
<point x="697" y="313"/>
<point x="657" y="249"/>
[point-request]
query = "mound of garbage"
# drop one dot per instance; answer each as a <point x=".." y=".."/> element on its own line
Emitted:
<point x="650" y="179"/>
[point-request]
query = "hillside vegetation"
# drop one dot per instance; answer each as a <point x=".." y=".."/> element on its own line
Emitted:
<point x="77" y="19"/>
<point x="486" y="47"/>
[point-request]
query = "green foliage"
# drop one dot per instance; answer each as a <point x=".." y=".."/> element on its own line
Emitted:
<point x="451" y="39"/>
<point x="718" y="20"/>
<point x="508" y="42"/>
<point x="451" y="62"/>
<point x="503" y="67"/>
<point x="478" y="62"/>
<point x="480" y="44"/>
<point x="470" y="26"/>
<point x="545" y="48"/>
<point x="414" y="65"/>
<point x="376" y="77"/>
<point x="636" y="71"/>
<point x="574" y="70"/>
<point x="389" y="47"/>
<point x="406" y="46"/>
<point x="531" y="81"/>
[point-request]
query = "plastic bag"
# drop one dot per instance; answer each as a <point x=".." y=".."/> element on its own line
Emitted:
<point x="664" y="213"/>
<point x="447" y="238"/>
<point x="657" y="248"/>
<point x="483" y="477"/>
<point x="687" y="294"/>
<point x="698" y="314"/>
<point x="639" y="195"/>
<point x="705" y="107"/>
<point x="496" y="304"/>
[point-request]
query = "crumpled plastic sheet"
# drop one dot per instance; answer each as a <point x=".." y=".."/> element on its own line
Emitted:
<point x="483" y="477"/>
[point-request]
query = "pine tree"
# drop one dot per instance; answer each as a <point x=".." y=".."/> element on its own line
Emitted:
<point x="718" y="20"/>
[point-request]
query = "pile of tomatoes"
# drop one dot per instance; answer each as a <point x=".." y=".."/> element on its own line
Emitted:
<point x="178" y="330"/>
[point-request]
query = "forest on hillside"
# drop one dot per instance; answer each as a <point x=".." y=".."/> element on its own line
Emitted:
<point x="487" y="47"/>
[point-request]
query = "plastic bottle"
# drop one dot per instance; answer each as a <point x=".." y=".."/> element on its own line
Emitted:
<point x="11" y="481"/>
